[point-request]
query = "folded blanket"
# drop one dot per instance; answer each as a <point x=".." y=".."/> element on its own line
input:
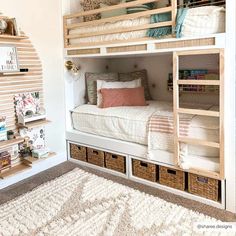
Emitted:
<point x="160" y="31"/>
<point x="161" y="129"/>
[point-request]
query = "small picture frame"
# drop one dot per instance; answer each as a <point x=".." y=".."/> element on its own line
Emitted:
<point x="8" y="59"/>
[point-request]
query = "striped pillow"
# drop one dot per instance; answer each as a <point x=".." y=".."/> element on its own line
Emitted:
<point x="140" y="8"/>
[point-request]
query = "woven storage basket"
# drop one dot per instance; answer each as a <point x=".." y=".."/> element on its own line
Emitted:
<point x="144" y="170"/>
<point x="115" y="162"/>
<point x="172" y="178"/>
<point x="96" y="157"/>
<point x="78" y="152"/>
<point x="203" y="186"/>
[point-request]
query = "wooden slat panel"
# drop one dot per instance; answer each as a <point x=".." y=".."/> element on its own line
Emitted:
<point x="199" y="82"/>
<point x="117" y="18"/>
<point x="141" y="47"/>
<point x="109" y="8"/>
<point x="186" y="43"/>
<point x="11" y="84"/>
<point x="199" y="112"/>
<point x="199" y="142"/>
<point x="83" y="51"/>
<point x="120" y="30"/>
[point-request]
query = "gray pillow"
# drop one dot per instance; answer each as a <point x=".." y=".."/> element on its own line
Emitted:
<point x="142" y="74"/>
<point x="91" y="84"/>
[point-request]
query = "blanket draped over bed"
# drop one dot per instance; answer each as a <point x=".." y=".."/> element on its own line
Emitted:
<point x="160" y="134"/>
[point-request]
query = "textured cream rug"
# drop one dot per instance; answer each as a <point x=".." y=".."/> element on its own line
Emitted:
<point x="80" y="203"/>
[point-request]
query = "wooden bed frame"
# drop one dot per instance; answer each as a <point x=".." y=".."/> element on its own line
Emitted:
<point x="68" y="19"/>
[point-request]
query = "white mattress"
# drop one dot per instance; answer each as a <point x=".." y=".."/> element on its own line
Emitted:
<point x="111" y="26"/>
<point x="131" y="124"/>
<point x="125" y="123"/>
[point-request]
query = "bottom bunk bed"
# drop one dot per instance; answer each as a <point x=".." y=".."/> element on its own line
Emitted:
<point x="152" y="127"/>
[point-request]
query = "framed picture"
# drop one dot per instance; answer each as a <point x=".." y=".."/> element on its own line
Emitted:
<point x="8" y="59"/>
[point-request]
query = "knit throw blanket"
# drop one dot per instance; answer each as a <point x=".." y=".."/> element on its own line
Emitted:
<point x="161" y="129"/>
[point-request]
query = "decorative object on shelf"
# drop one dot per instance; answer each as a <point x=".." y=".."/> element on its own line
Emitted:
<point x="3" y="131"/>
<point x="200" y="74"/>
<point x="5" y="160"/>
<point x="8" y="26"/>
<point x="40" y="153"/>
<point x="28" y="108"/>
<point x="8" y="59"/>
<point x="3" y="26"/>
<point x="73" y="68"/>
<point x="36" y="136"/>
<point x="10" y="134"/>
<point x="26" y="148"/>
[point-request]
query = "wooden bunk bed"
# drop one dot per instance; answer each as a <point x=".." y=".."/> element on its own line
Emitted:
<point x="85" y="148"/>
<point x="121" y="38"/>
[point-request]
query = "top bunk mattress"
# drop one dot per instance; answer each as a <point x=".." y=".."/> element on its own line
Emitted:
<point x="131" y="124"/>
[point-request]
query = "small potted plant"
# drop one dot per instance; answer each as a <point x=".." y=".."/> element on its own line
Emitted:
<point x="25" y="151"/>
<point x="10" y="134"/>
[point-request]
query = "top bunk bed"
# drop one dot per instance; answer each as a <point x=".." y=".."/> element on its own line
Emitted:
<point x="121" y="27"/>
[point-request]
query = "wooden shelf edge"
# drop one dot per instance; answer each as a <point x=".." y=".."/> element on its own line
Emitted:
<point x="14" y="170"/>
<point x="32" y="160"/>
<point x="34" y="124"/>
<point x="5" y="36"/>
<point x="9" y="143"/>
<point x="13" y="73"/>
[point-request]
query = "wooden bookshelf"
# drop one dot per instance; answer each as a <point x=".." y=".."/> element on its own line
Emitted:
<point x="32" y="160"/>
<point x="6" y="36"/>
<point x="13" y="73"/>
<point x="34" y="124"/>
<point x="9" y="143"/>
<point x="14" y="170"/>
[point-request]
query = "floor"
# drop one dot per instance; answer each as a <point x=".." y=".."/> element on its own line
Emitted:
<point x="29" y="184"/>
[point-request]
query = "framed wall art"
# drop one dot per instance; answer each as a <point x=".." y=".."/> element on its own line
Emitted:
<point x="8" y="59"/>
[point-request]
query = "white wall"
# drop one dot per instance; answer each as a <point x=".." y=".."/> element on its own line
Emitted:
<point x="158" y="68"/>
<point x="41" y="21"/>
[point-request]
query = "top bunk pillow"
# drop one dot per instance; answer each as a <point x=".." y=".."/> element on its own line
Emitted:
<point x="101" y="84"/>
<point x="139" y="8"/>
<point x="112" y="13"/>
<point x="203" y="21"/>
<point x="142" y="74"/>
<point x="91" y="84"/>
<point x="88" y="5"/>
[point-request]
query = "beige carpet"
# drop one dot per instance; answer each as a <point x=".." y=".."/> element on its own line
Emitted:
<point x="81" y="203"/>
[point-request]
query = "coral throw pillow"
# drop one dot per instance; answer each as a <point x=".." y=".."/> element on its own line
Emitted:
<point x="123" y="97"/>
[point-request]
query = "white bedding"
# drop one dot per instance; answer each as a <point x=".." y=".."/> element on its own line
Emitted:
<point x="131" y="124"/>
<point x="111" y="26"/>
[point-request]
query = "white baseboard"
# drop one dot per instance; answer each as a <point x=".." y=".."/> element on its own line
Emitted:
<point x="36" y="168"/>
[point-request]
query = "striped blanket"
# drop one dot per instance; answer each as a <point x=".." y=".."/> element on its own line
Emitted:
<point x="161" y="129"/>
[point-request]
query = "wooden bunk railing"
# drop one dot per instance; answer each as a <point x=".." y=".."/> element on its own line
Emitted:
<point x="220" y="114"/>
<point x="69" y="19"/>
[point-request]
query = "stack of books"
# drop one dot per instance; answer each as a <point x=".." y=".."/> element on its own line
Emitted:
<point x="200" y="74"/>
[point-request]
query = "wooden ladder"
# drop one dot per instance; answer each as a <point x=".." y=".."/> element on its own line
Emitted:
<point x="177" y="110"/>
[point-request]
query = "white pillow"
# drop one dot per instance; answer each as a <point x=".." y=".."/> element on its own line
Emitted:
<point x="104" y="84"/>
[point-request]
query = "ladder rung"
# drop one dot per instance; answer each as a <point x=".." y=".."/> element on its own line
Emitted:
<point x="199" y="112"/>
<point x="199" y="82"/>
<point x="198" y="142"/>
<point x="207" y="173"/>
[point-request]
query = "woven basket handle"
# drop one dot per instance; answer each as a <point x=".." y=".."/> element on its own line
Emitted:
<point x="172" y="172"/>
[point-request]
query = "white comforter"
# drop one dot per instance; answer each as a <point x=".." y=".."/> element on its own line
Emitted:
<point x="131" y="124"/>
